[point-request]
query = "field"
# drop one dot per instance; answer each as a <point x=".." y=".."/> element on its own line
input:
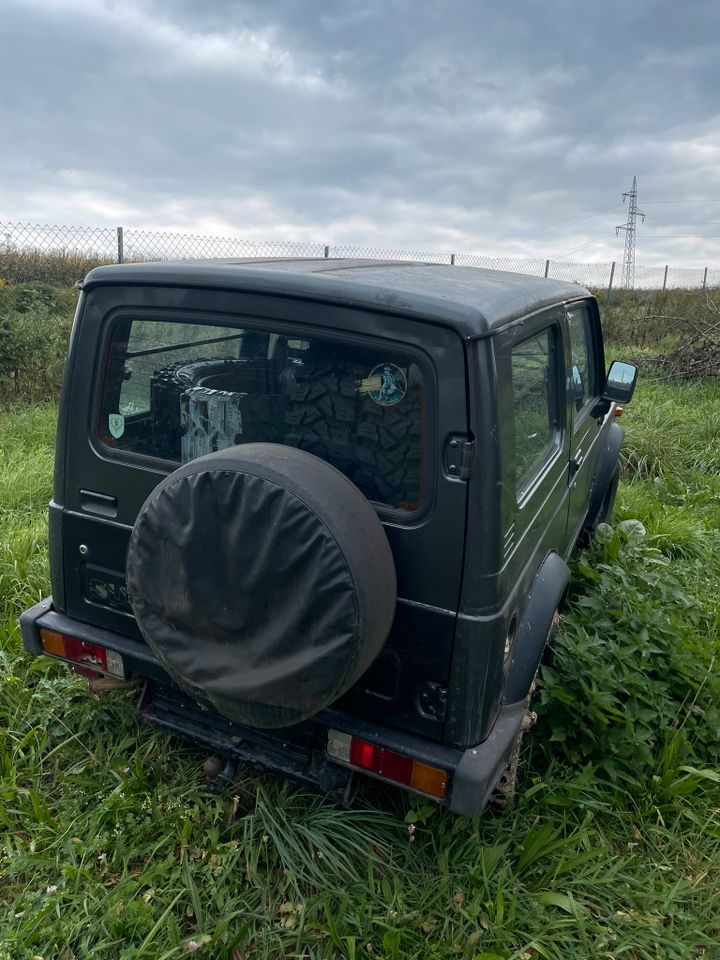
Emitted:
<point x="112" y="847"/>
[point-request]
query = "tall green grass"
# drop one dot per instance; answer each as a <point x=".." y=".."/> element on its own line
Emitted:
<point x="112" y="848"/>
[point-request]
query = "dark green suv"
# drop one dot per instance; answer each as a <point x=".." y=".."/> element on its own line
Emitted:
<point x="323" y="508"/>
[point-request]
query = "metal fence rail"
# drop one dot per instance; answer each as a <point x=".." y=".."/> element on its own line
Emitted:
<point x="64" y="254"/>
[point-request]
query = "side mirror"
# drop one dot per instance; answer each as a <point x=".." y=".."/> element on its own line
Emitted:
<point x="620" y="383"/>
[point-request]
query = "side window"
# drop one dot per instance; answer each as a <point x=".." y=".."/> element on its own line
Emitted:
<point x="583" y="379"/>
<point x="534" y="392"/>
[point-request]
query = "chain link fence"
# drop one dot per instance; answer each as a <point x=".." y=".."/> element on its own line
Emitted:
<point x="62" y="254"/>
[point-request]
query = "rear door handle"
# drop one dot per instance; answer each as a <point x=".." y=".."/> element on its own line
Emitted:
<point x="576" y="462"/>
<point x="100" y="504"/>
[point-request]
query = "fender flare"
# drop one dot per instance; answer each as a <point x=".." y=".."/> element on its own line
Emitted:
<point x="546" y="594"/>
<point x="606" y="469"/>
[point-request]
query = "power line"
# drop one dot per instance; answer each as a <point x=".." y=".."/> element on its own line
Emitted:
<point x="682" y="236"/>
<point x="572" y="223"/>
<point x="584" y="245"/>
<point x="717" y="200"/>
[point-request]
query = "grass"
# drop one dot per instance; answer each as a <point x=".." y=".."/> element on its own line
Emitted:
<point x="111" y="846"/>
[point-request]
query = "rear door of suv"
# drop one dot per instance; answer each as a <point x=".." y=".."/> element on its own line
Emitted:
<point x="117" y="449"/>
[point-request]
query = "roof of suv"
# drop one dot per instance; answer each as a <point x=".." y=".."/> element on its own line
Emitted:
<point x="474" y="302"/>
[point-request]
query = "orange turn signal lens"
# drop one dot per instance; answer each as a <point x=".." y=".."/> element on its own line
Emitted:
<point x="53" y="643"/>
<point x="619" y="411"/>
<point x="427" y="779"/>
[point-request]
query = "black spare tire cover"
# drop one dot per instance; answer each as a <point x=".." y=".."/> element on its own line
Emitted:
<point x="263" y="581"/>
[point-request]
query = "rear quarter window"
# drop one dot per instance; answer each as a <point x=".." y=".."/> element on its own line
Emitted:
<point x="533" y="388"/>
<point x="176" y="391"/>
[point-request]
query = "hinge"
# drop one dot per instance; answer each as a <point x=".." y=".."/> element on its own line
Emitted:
<point x="432" y="700"/>
<point x="458" y="456"/>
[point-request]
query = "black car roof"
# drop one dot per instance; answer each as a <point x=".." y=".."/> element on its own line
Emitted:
<point x="473" y="301"/>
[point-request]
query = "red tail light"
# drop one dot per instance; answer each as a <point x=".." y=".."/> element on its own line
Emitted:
<point x="90" y="656"/>
<point x="387" y="764"/>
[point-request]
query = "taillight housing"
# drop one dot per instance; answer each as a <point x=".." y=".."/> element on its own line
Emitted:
<point x="387" y="764"/>
<point x="89" y="656"/>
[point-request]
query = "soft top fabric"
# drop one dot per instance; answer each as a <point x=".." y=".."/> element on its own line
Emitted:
<point x="263" y="581"/>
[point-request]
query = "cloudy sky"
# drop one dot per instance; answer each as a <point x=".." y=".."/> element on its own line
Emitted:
<point x="494" y="128"/>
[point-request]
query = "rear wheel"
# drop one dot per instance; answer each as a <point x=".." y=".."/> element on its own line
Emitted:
<point x="507" y="784"/>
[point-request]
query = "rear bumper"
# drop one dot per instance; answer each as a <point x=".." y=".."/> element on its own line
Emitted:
<point x="297" y="753"/>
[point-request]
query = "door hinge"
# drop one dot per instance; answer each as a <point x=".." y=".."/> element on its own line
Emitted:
<point x="459" y="457"/>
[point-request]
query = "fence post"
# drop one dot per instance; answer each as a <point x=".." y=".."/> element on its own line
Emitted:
<point x="327" y="253"/>
<point x="547" y="267"/>
<point x="121" y="251"/>
<point x="705" y="279"/>
<point x="612" y="274"/>
<point x="452" y="259"/>
<point x="665" y="278"/>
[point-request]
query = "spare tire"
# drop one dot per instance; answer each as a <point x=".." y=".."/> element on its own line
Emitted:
<point x="263" y="581"/>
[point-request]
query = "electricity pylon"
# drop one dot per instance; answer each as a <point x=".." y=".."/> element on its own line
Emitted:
<point x="628" y="269"/>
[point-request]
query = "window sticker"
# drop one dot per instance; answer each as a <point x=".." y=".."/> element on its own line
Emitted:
<point x="386" y="384"/>
<point x="116" y="425"/>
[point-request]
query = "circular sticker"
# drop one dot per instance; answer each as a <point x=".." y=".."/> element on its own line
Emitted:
<point x="386" y="384"/>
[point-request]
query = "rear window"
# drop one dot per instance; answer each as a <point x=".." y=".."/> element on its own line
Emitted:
<point x="176" y="391"/>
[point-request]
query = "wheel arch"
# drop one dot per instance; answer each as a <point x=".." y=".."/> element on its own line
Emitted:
<point x="606" y="469"/>
<point x="546" y="595"/>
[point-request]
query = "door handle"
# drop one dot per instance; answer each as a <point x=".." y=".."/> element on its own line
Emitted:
<point x="576" y="462"/>
<point x="99" y="503"/>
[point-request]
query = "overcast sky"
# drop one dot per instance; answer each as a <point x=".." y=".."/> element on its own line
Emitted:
<point x="495" y="128"/>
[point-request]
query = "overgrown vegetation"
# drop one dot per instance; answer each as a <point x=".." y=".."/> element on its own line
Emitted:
<point x="35" y="321"/>
<point x="111" y="846"/>
<point x="62" y="268"/>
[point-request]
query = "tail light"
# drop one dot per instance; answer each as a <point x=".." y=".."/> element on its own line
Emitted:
<point x="90" y="656"/>
<point x="387" y="764"/>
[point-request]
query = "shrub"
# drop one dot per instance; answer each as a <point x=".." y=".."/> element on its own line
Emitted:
<point x="56" y="267"/>
<point x="35" y="321"/>
<point x="634" y="662"/>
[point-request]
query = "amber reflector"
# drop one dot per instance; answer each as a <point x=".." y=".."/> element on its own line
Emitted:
<point x="428" y="779"/>
<point x="53" y="643"/>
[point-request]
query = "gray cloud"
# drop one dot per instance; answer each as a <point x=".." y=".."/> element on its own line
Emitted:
<point x="395" y="123"/>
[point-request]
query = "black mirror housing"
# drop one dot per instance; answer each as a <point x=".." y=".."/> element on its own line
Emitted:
<point x="620" y="383"/>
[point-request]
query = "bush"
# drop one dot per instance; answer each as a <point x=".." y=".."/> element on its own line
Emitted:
<point x="650" y="318"/>
<point x="35" y="322"/>
<point x="57" y="267"/>
<point x="634" y="662"/>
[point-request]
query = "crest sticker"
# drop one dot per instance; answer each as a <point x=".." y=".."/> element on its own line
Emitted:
<point x="116" y="425"/>
<point x="386" y="384"/>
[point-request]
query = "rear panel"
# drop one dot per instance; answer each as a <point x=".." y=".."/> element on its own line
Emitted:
<point x="253" y="367"/>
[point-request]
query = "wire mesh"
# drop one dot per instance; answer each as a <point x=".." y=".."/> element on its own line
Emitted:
<point x="159" y="245"/>
<point x="687" y="278"/>
<point x="53" y="253"/>
<point x="378" y="253"/>
<point x="534" y="267"/>
<point x="652" y="278"/>
<point x="64" y="254"/>
<point x="594" y="275"/>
